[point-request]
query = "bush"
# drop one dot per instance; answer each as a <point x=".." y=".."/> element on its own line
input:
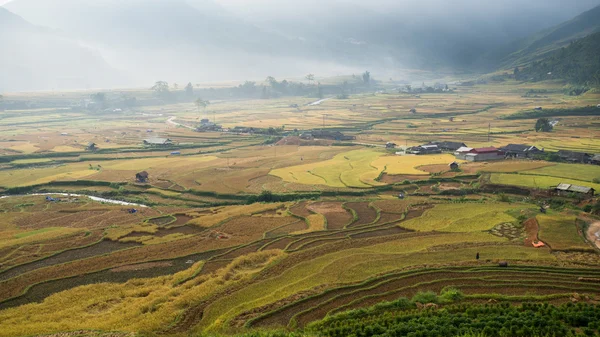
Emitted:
<point x="425" y="297"/>
<point x="503" y="197"/>
<point x="450" y="294"/>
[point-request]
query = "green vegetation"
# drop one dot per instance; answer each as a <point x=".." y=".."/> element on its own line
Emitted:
<point x="465" y="320"/>
<point x="578" y="63"/>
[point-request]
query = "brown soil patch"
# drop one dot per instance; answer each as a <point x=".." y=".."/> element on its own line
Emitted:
<point x="337" y="217"/>
<point x="279" y="244"/>
<point x="531" y="232"/>
<point x="300" y="209"/>
<point x="213" y="265"/>
<point x="295" y="226"/>
<point x="365" y="213"/>
<point x="449" y="186"/>
<point x="593" y="233"/>
<point x="141" y="266"/>
<point x="437" y="168"/>
<point x="380" y="232"/>
<point x="392" y="179"/>
<point x="182" y="219"/>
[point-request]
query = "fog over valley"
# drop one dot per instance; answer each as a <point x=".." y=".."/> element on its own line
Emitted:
<point x="67" y="44"/>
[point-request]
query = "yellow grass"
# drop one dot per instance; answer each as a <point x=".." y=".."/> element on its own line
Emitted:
<point x="149" y="163"/>
<point x="66" y="148"/>
<point x="20" y="237"/>
<point x="137" y="305"/>
<point x="163" y="192"/>
<point x="25" y="148"/>
<point x="116" y="232"/>
<point x="346" y="169"/>
<point x="220" y="215"/>
<point x="461" y="217"/>
<point x="409" y="164"/>
<point x="316" y="222"/>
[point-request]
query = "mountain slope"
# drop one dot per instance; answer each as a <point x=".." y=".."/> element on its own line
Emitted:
<point x="579" y="63"/>
<point x="541" y="44"/>
<point x="34" y="58"/>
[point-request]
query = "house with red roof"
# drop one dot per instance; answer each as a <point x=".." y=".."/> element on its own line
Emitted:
<point x="484" y="154"/>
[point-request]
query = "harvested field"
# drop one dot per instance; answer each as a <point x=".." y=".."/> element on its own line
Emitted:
<point x="279" y="244"/>
<point x="337" y="217"/>
<point x="380" y="232"/>
<point x="103" y="247"/>
<point x="162" y="232"/>
<point x="181" y="219"/>
<point x="296" y="226"/>
<point x="365" y="213"/>
<point x="162" y="221"/>
<point x="300" y="209"/>
<point x="398" y="178"/>
<point x="40" y="291"/>
<point x="213" y="265"/>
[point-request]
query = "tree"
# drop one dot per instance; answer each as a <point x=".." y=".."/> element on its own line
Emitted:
<point x="175" y="86"/>
<point x="543" y="125"/>
<point x="366" y="76"/>
<point x="99" y="99"/>
<point x="189" y="90"/>
<point x="310" y="78"/>
<point x="319" y="91"/>
<point x="265" y="94"/>
<point x="200" y="103"/>
<point x="516" y="72"/>
<point x="161" y="87"/>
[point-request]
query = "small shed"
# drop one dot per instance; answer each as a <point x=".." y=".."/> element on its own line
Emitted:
<point x="567" y="189"/>
<point x="158" y="141"/>
<point x="390" y="145"/>
<point x="413" y="111"/>
<point x="453" y="166"/>
<point x="538" y="108"/>
<point x="141" y="177"/>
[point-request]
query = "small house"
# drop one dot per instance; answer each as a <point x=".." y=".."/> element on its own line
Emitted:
<point x="447" y="146"/>
<point x="574" y="157"/>
<point x="462" y="152"/>
<point x="390" y="145"/>
<point x="484" y="154"/>
<point x="91" y="147"/>
<point x="158" y="142"/>
<point x="520" y="150"/>
<point x="424" y="149"/>
<point x="568" y="189"/>
<point x="306" y="136"/>
<point x="141" y="177"/>
<point x="453" y="166"/>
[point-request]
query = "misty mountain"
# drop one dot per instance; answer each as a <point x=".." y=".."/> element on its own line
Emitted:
<point x="579" y="63"/>
<point x="206" y="40"/>
<point x="35" y="58"/>
<point x="543" y="43"/>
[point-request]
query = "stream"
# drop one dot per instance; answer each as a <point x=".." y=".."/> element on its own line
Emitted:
<point x="98" y="199"/>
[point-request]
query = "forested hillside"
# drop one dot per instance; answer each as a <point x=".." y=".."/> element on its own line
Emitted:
<point x="579" y="63"/>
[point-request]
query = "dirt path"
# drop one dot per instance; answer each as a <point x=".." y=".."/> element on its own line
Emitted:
<point x="593" y="233"/>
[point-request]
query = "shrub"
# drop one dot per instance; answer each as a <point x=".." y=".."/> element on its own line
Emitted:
<point x="425" y="297"/>
<point x="450" y="294"/>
